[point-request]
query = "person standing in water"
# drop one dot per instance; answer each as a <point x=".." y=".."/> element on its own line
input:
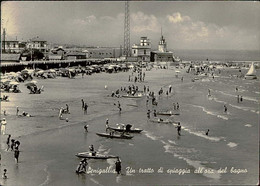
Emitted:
<point x="225" y="108"/>
<point x="179" y="128"/>
<point x="207" y="133"/>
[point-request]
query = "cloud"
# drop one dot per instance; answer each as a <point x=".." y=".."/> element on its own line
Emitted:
<point x="142" y="23"/>
<point x="86" y="21"/>
<point x="177" y="18"/>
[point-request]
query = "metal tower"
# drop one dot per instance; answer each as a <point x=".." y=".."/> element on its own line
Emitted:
<point x="4" y="35"/>
<point x="127" y="49"/>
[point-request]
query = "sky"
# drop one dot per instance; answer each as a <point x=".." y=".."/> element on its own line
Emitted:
<point x="226" y="25"/>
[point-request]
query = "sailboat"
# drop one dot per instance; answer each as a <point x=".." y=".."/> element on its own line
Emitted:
<point x="251" y="74"/>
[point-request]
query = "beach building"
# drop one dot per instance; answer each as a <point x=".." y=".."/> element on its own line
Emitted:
<point x="14" y="58"/>
<point x="37" y="43"/>
<point x="76" y="55"/>
<point x="162" y="55"/>
<point x="11" y="46"/>
<point x="143" y="50"/>
<point x="57" y="53"/>
<point x="103" y="52"/>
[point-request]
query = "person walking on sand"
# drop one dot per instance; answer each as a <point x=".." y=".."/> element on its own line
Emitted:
<point x="60" y="113"/>
<point x="83" y="104"/>
<point x="4" y="175"/>
<point x="16" y="155"/>
<point x="179" y="128"/>
<point x="86" y="108"/>
<point x="148" y="114"/>
<point x="177" y="106"/>
<point x="118" y="166"/>
<point x="8" y="142"/>
<point x="86" y="128"/>
<point x="154" y="113"/>
<point x="67" y="109"/>
<point x="241" y="98"/>
<point x="17" y="111"/>
<point x="207" y="133"/>
<point x="3" y="126"/>
<point x="12" y="144"/>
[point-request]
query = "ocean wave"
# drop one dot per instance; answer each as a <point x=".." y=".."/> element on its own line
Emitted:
<point x="244" y="97"/>
<point x="151" y="136"/>
<point x="231" y="144"/>
<point x="248" y="125"/>
<point x="210" y="112"/>
<point x="196" y="164"/>
<point x="244" y="108"/>
<point x="95" y="181"/>
<point x="201" y="134"/>
<point x="47" y="180"/>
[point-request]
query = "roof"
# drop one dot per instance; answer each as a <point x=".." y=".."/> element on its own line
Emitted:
<point x="55" y="57"/>
<point x="162" y="53"/>
<point x="37" y="39"/>
<point x="76" y="54"/>
<point x="11" y="41"/>
<point x="10" y="57"/>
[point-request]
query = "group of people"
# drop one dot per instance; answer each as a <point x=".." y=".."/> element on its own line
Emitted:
<point x="64" y="111"/>
<point x="137" y="75"/>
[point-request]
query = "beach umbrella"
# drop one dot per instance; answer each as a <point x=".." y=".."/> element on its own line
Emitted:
<point x="40" y="72"/>
<point x="14" y="83"/>
<point x="34" y="81"/>
<point x="24" y="71"/>
<point x="5" y="81"/>
<point x="30" y="84"/>
<point x="52" y="70"/>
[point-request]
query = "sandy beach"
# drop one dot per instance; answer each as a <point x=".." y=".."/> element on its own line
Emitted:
<point x="156" y="156"/>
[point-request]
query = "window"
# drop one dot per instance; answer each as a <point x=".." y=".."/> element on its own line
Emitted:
<point x="134" y="51"/>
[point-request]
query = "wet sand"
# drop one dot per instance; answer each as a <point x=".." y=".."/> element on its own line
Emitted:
<point x="48" y="145"/>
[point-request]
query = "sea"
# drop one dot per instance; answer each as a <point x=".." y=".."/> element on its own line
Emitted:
<point x="217" y="55"/>
<point x="228" y="155"/>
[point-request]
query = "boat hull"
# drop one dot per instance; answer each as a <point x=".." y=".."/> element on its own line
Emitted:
<point x="250" y="77"/>
<point x="97" y="156"/>
<point x="114" y="136"/>
<point x="124" y="130"/>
